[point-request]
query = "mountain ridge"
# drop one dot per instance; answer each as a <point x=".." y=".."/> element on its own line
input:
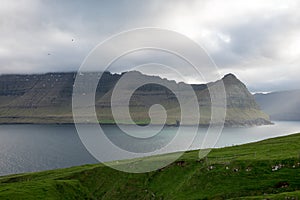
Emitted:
<point x="47" y="98"/>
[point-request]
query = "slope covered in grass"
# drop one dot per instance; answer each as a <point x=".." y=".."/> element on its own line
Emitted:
<point x="239" y="172"/>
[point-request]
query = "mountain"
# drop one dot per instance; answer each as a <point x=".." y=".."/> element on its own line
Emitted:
<point x="47" y="98"/>
<point x="267" y="169"/>
<point x="284" y="105"/>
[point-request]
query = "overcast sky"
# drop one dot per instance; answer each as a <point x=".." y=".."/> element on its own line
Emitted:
<point x="259" y="41"/>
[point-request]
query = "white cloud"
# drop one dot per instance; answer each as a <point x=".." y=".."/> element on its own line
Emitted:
<point x="243" y="37"/>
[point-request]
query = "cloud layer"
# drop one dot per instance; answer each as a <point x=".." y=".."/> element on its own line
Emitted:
<point x="259" y="41"/>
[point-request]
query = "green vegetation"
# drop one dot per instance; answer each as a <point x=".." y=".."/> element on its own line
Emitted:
<point x="238" y="172"/>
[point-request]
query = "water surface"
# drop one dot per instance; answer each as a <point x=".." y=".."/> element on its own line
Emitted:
<point x="27" y="148"/>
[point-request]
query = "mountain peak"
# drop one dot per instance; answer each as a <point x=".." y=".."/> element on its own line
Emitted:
<point x="231" y="79"/>
<point x="229" y="76"/>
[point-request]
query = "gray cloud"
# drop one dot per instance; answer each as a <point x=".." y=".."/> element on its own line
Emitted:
<point x="258" y="41"/>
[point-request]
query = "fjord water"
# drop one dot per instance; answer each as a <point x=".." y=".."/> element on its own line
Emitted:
<point x="27" y="148"/>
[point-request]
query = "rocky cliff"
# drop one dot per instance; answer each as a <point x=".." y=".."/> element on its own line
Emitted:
<point x="47" y="98"/>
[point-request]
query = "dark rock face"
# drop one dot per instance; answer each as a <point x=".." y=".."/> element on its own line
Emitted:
<point x="237" y="93"/>
<point x="47" y="98"/>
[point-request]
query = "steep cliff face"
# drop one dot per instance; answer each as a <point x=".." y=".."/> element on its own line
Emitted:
<point x="33" y="91"/>
<point x="241" y="105"/>
<point x="237" y="93"/>
<point x="47" y="98"/>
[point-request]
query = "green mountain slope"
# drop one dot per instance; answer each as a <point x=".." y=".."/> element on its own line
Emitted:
<point x="238" y="172"/>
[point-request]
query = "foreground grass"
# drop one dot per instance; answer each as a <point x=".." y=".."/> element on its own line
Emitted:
<point x="239" y="172"/>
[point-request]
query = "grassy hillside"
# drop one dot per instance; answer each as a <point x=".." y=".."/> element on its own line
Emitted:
<point x="238" y="172"/>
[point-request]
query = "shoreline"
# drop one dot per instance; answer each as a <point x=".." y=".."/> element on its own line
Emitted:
<point x="231" y="125"/>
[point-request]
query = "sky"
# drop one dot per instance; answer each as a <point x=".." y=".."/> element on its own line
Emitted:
<point x="258" y="41"/>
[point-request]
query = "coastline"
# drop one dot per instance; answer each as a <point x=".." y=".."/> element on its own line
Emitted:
<point x="226" y="124"/>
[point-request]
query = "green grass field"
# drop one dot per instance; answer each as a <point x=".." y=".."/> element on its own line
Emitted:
<point x="238" y="172"/>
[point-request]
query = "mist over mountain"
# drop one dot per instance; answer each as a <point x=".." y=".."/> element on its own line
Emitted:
<point x="282" y="105"/>
<point x="47" y="98"/>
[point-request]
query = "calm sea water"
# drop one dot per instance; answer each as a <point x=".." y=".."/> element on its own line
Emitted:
<point x="27" y="148"/>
